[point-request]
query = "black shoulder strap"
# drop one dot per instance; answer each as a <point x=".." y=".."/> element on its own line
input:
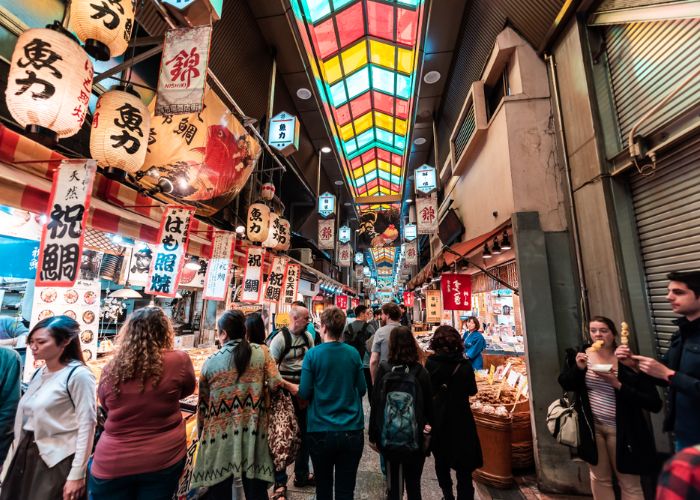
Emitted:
<point x="36" y="372"/>
<point x="70" y="374"/>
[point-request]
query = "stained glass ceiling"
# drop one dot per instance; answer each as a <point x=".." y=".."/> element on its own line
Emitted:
<point x="364" y="55"/>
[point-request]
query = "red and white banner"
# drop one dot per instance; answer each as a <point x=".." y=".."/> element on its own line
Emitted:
<point x="408" y="298"/>
<point x="291" y="283"/>
<point x="62" y="236"/>
<point x="411" y="253"/>
<point x="345" y="256"/>
<point x="427" y="214"/>
<point x="252" y="277"/>
<point x="173" y="237"/>
<point x="456" y="292"/>
<point x="326" y="234"/>
<point x="275" y="280"/>
<point x="341" y="301"/>
<point x="183" y="71"/>
<point x="219" y="267"/>
<point x="354" y="302"/>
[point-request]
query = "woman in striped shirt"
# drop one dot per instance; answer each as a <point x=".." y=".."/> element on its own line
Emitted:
<point x="611" y="399"/>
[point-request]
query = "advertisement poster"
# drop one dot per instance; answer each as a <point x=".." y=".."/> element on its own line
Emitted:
<point x="378" y="229"/>
<point x="456" y="292"/>
<point x="433" y="306"/>
<point x="169" y="258"/>
<point x="252" y="277"/>
<point x="218" y="271"/>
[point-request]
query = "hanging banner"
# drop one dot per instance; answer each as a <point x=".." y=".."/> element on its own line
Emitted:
<point x="359" y="258"/>
<point x="341" y="301"/>
<point x="344" y="234"/>
<point x="326" y="204"/>
<point x="366" y="281"/>
<point x="426" y="179"/>
<point x="275" y="280"/>
<point x="426" y="214"/>
<point x="354" y="302"/>
<point x="433" y="306"/>
<point x="408" y="299"/>
<point x="291" y="283"/>
<point x="219" y="266"/>
<point x="62" y="237"/>
<point x="456" y="292"/>
<point x="283" y="133"/>
<point x="183" y="71"/>
<point x="173" y="237"/>
<point x="140" y="263"/>
<point x="252" y="277"/>
<point x="410" y="232"/>
<point x="411" y="253"/>
<point x="359" y="270"/>
<point x="345" y="256"/>
<point x="326" y="234"/>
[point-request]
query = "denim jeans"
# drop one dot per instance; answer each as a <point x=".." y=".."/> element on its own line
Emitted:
<point x="339" y="454"/>
<point x="157" y="485"/>
<point x="301" y="462"/>
<point x="254" y="489"/>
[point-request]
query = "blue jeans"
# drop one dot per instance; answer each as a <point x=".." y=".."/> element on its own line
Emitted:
<point x="158" y="485"/>
<point x="301" y="462"/>
<point x="339" y="453"/>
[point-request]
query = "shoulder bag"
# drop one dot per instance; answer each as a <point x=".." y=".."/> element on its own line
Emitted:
<point x="562" y="422"/>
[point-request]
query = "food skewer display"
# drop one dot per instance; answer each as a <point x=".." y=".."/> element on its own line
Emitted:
<point x="624" y="333"/>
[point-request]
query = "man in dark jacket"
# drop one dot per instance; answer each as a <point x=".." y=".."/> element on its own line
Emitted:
<point x="9" y="397"/>
<point x="679" y="369"/>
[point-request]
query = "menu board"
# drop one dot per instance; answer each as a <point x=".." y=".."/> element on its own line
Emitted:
<point x="81" y="302"/>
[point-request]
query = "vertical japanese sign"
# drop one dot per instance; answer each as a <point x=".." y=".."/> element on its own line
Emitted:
<point x="456" y="292"/>
<point x="341" y="301"/>
<point x="411" y="253"/>
<point x="426" y="179"/>
<point x="62" y="237"/>
<point x="408" y="299"/>
<point x="291" y="283"/>
<point x="433" y="306"/>
<point x="183" y="71"/>
<point x="252" y="277"/>
<point x="283" y="133"/>
<point x="344" y="234"/>
<point x="219" y="267"/>
<point x="345" y="256"/>
<point x="275" y="281"/>
<point x="173" y="237"/>
<point x="359" y="258"/>
<point x="426" y="214"/>
<point x="410" y="232"/>
<point x="326" y="204"/>
<point x="354" y="302"/>
<point x="359" y="270"/>
<point x="326" y="234"/>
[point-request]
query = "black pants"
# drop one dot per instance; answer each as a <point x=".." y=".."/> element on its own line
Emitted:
<point x="254" y="489"/>
<point x="465" y="487"/>
<point x="368" y="382"/>
<point x="339" y="454"/>
<point x="405" y="473"/>
<point x="301" y="462"/>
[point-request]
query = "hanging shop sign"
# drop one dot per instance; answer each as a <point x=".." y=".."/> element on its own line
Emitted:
<point x="272" y="231"/>
<point x="378" y="228"/>
<point x="345" y="256"/>
<point x="258" y="225"/>
<point x="18" y="257"/>
<point x="326" y="204"/>
<point x="283" y="134"/>
<point x="359" y="258"/>
<point x="104" y="27"/>
<point x="218" y="272"/>
<point x="433" y="306"/>
<point x="456" y="292"/>
<point x="205" y="157"/>
<point x="140" y="263"/>
<point x="252" y="276"/>
<point x="359" y="272"/>
<point x="291" y="283"/>
<point x="169" y="257"/>
<point x="410" y="232"/>
<point x="354" y="302"/>
<point x="366" y="282"/>
<point x="408" y="299"/>
<point x="426" y="179"/>
<point x="194" y="277"/>
<point x="49" y="84"/>
<point x="183" y="71"/>
<point x="344" y="234"/>
<point x="366" y="271"/>
<point x="426" y="214"/>
<point x="62" y="237"/>
<point x="326" y="234"/>
<point x="275" y="280"/>
<point x="120" y="128"/>
<point x="341" y="301"/>
<point x="411" y="253"/>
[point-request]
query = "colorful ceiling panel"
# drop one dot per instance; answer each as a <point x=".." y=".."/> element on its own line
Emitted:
<point x="364" y="58"/>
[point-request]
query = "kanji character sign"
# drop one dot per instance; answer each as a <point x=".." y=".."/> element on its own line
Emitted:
<point x="173" y="237"/>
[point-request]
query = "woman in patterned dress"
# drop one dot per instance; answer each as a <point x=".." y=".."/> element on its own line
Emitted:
<point x="231" y="418"/>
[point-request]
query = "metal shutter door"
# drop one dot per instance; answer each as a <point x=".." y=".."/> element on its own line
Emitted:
<point x="667" y="210"/>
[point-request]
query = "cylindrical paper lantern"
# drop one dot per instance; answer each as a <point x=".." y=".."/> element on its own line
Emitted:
<point x="267" y="191"/>
<point x="104" y="25"/>
<point x="49" y="85"/>
<point x="285" y="239"/>
<point x="120" y="130"/>
<point x="258" y="222"/>
<point x="273" y="231"/>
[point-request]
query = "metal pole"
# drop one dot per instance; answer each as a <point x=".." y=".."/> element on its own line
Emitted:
<point x="318" y="174"/>
<point x="271" y="99"/>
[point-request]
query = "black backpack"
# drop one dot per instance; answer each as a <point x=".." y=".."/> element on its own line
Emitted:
<point x="357" y="339"/>
<point x="288" y="348"/>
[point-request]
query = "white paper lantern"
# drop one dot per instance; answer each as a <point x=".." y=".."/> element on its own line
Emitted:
<point x="258" y="222"/>
<point x="120" y="130"/>
<point x="104" y="25"/>
<point x="271" y="241"/>
<point x="285" y="238"/>
<point x="267" y="191"/>
<point x="49" y="85"/>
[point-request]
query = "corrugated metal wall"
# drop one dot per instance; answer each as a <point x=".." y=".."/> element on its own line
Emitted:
<point x="647" y="61"/>
<point x="667" y="204"/>
<point x="608" y="5"/>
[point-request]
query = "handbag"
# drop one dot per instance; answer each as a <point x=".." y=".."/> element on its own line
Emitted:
<point x="283" y="433"/>
<point x="562" y="422"/>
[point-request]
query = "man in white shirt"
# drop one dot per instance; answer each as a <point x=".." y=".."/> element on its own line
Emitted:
<point x="391" y="316"/>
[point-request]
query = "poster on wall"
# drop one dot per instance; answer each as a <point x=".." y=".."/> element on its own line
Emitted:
<point x="433" y="306"/>
<point x="169" y="257"/>
<point x="140" y="263"/>
<point x="291" y="283"/>
<point x="426" y="214"/>
<point x="62" y="237"/>
<point x="275" y="280"/>
<point x="326" y="234"/>
<point x="456" y="292"/>
<point x="378" y="228"/>
<point x="252" y="276"/>
<point x="219" y="266"/>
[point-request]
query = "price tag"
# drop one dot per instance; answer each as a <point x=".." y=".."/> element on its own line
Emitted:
<point x="513" y="378"/>
<point x="492" y="370"/>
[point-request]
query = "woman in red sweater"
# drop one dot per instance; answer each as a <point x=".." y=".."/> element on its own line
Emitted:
<point x="141" y="452"/>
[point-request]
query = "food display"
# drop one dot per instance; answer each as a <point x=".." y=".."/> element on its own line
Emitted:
<point x="70" y="296"/>
<point x="48" y="295"/>
<point x="624" y="333"/>
<point x="503" y="391"/>
<point x="71" y="314"/>
<point x="46" y="313"/>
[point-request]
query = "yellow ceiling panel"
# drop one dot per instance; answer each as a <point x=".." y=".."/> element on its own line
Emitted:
<point x="347" y="132"/>
<point x="395" y="170"/>
<point x="355" y="57"/>
<point x="363" y="123"/>
<point x="370" y="165"/>
<point x="384" y="121"/>
<point x="400" y="126"/>
<point x="382" y="54"/>
<point x="332" y="71"/>
<point x="373" y="191"/>
<point x="405" y="62"/>
<point x="384" y="166"/>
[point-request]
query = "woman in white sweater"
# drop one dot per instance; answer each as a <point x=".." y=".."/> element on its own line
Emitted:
<point x="55" y="422"/>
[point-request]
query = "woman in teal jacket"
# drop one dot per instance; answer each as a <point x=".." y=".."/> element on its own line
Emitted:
<point x="474" y="342"/>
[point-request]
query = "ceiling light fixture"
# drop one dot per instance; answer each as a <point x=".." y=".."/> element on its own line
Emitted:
<point x="325" y="150"/>
<point x="432" y="77"/>
<point x="240" y="229"/>
<point x="487" y="252"/>
<point x="193" y="264"/>
<point x="419" y="141"/>
<point x="338" y="183"/>
<point x="304" y="93"/>
<point x="505" y="242"/>
<point x="496" y="248"/>
<point x="409" y="201"/>
<point x="126" y="292"/>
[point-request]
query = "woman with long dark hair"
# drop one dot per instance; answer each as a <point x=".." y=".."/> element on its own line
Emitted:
<point x="55" y="422"/>
<point x="455" y="443"/>
<point x="255" y="328"/>
<point x="615" y="437"/>
<point x="231" y="419"/>
<point x="404" y="469"/>
<point x="141" y="452"/>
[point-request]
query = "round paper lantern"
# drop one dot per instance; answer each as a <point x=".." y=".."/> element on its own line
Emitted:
<point x="104" y="25"/>
<point x="267" y="191"/>
<point x="49" y="85"/>
<point x="285" y="235"/>
<point x="273" y="231"/>
<point x="120" y="130"/>
<point x="258" y="222"/>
